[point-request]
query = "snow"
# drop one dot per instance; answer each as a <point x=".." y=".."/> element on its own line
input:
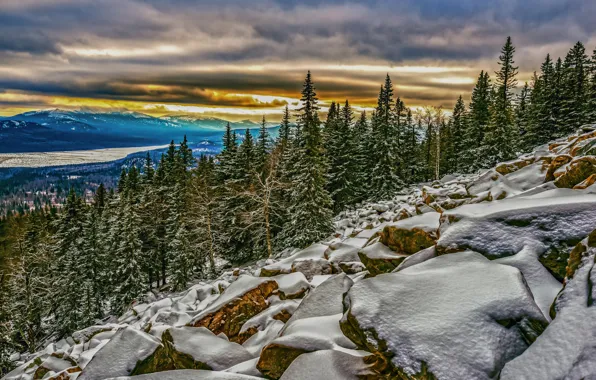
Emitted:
<point x="505" y="227"/>
<point x="451" y="301"/>
<point x="567" y="348"/>
<point x="328" y="365"/>
<point x="120" y="356"/>
<point x="206" y="347"/>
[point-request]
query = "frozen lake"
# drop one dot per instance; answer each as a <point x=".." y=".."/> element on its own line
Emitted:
<point x="41" y="159"/>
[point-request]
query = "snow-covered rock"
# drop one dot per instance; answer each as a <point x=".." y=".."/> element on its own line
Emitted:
<point x="567" y="348"/>
<point x="329" y="365"/>
<point x="460" y="316"/>
<point x="193" y="348"/>
<point x="243" y="299"/>
<point x="120" y="356"/>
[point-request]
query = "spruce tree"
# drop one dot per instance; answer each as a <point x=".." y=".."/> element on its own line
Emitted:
<point x="310" y="210"/>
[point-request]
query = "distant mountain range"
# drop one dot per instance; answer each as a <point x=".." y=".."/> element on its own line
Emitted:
<point x="53" y="130"/>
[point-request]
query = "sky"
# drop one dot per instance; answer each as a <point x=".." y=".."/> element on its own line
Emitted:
<point x="239" y="59"/>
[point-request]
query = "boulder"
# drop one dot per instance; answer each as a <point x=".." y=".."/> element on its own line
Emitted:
<point x="314" y="252"/>
<point x="120" y="355"/>
<point x="578" y="170"/>
<point x="411" y="235"/>
<point x="555" y="164"/>
<point x="188" y="374"/>
<point x="313" y="326"/>
<point x="567" y="348"/>
<point x="330" y="365"/>
<point x="54" y="364"/>
<point x="192" y="348"/>
<point x="547" y="222"/>
<point x="312" y="267"/>
<point x="512" y="166"/>
<point x="291" y="286"/>
<point x="378" y="258"/>
<point x="460" y="316"/>
<point x="242" y="300"/>
<point x="279" y="311"/>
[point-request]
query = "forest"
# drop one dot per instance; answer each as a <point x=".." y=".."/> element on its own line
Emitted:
<point x="169" y="222"/>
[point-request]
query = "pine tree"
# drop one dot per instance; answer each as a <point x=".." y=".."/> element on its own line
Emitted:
<point x="247" y="158"/>
<point x="29" y="282"/>
<point x="458" y="133"/>
<point x="574" y="88"/>
<point x="360" y="158"/>
<point x="284" y="130"/>
<point x="68" y="257"/>
<point x="129" y="276"/>
<point x="262" y="148"/>
<point x="499" y="144"/>
<point x="522" y="117"/>
<point x="591" y="103"/>
<point x="477" y="122"/>
<point x="310" y="211"/>
<point x="181" y="252"/>
<point x="410" y="149"/>
<point x="385" y="181"/>
<point x="202" y="212"/>
<point x="340" y="152"/>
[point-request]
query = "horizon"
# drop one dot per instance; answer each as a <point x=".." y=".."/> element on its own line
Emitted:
<point x="220" y="60"/>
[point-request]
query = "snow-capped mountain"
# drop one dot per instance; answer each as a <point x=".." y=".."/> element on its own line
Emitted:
<point x="108" y="129"/>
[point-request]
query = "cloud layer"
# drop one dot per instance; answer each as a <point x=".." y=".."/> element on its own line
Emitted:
<point x="251" y="58"/>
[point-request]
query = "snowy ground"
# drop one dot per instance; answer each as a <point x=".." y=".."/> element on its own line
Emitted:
<point x="492" y="296"/>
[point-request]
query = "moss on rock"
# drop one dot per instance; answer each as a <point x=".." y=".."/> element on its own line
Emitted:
<point x="406" y="241"/>
<point x="276" y="358"/>
<point x="230" y="317"/>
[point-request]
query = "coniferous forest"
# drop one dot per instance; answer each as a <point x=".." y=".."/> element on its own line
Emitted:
<point x="169" y="222"/>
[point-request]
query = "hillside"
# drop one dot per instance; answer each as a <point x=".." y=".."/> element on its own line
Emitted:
<point x="472" y="277"/>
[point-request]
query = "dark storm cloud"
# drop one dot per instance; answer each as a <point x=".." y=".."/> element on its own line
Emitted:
<point x="159" y="50"/>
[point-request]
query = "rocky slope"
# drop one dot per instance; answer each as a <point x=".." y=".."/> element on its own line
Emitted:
<point x="485" y="276"/>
